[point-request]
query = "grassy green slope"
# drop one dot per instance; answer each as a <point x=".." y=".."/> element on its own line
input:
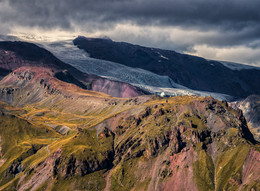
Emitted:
<point x="130" y="147"/>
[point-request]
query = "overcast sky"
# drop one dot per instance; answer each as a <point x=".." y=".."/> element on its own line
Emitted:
<point x="215" y="29"/>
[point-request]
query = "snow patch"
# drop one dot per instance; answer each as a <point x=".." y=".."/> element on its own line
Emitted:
<point x="161" y="56"/>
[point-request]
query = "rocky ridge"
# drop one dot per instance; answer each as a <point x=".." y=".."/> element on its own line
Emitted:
<point x="14" y="55"/>
<point x="151" y="147"/>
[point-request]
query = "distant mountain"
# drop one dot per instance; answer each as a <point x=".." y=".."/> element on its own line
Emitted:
<point x="251" y="110"/>
<point x="14" y="55"/>
<point x="193" y="72"/>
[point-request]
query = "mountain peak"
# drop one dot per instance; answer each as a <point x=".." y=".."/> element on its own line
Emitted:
<point x="105" y="38"/>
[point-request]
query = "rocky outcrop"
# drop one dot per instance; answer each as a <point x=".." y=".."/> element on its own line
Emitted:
<point x="250" y="169"/>
<point x="171" y="142"/>
<point x="251" y="110"/>
<point x="180" y="143"/>
<point x="42" y="173"/>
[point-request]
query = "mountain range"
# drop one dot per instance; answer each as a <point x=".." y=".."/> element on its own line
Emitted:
<point x="86" y="115"/>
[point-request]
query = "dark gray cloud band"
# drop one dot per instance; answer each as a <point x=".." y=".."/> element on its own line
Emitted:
<point x="234" y="22"/>
<point x="226" y="14"/>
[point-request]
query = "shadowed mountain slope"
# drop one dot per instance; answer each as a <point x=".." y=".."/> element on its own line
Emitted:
<point x="194" y="72"/>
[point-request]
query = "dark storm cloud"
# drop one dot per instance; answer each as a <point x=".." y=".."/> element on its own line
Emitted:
<point x="228" y="22"/>
<point x="244" y="36"/>
<point x="221" y="14"/>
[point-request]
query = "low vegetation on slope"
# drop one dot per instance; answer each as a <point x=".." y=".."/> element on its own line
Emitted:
<point x="178" y="143"/>
<point x="20" y="139"/>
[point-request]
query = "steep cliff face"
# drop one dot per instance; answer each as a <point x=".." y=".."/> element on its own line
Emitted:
<point x="181" y="143"/>
<point x="251" y="110"/>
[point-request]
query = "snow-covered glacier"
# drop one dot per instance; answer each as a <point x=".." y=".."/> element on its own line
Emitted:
<point x="146" y="80"/>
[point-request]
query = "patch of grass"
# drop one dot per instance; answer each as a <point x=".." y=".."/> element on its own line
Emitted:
<point x="14" y="131"/>
<point x="177" y="100"/>
<point x="229" y="166"/>
<point x="115" y="185"/>
<point x="35" y="159"/>
<point x="204" y="172"/>
<point x="19" y="140"/>
<point x="93" y="181"/>
<point x="88" y="145"/>
<point x="124" y="175"/>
